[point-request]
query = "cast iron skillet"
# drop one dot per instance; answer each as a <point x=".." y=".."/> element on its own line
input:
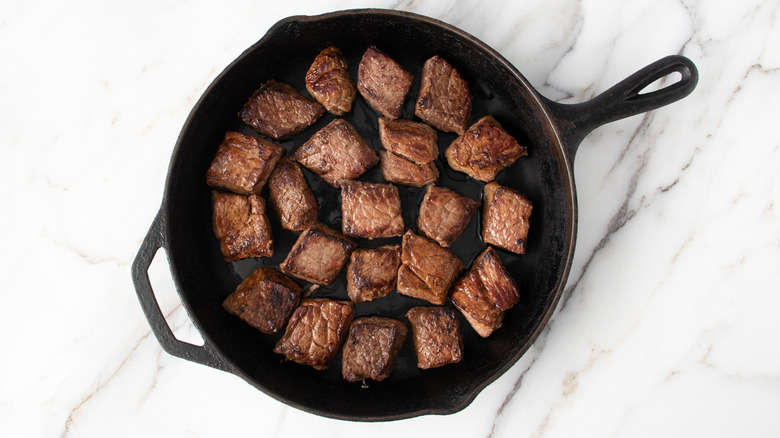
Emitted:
<point x="551" y="131"/>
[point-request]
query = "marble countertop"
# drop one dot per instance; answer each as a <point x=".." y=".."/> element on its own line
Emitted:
<point x="669" y="322"/>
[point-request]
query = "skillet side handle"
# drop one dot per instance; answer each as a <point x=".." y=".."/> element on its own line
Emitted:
<point x="624" y="99"/>
<point x="206" y="354"/>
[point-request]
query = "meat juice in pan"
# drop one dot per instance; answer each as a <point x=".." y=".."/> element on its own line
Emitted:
<point x="467" y="246"/>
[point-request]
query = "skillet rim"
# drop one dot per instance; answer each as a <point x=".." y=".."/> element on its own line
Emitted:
<point x="553" y="132"/>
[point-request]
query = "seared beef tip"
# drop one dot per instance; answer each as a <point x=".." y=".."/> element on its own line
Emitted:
<point x="436" y="336"/>
<point x="371" y="348"/>
<point x="370" y="210"/>
<point x="279" y="111"/>
<point x="241" y="226"/>
<point x="336" y="153"/>
<point x="328" y="81"/>
<point x="371" y="273"/>
<point x="484" y="150"/>
<point x="444" y="214"/>
<point x="485" y="292"/>
<point x="318" y="255"/>
<point x="399" y="170"/>
<point x="264" y="300"/>
<point x="427" y="270"/>
<point x="243" y="163"/>
<point x="414" y="141"/>
<point x="291" y="197"/>
<point x="444" y="101"/>
<point x="470" y="298"/>
<point x="383" y="82"/>
<point x="316" y="331"/>
<point x="506" y="218"/>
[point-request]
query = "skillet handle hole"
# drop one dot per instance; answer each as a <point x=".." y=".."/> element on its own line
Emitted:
<point x="170" y="302"/>
<point x="660" y="83"/>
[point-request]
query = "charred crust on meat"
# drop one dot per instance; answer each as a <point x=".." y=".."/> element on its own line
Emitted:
<point x="318" y="255"/>
<point x="370" y="210"/>
<point x="241" y="226"/>
<point x="371" y="348"/>
<point x="484" y="150"/>
<point x="436" y="336"/>
<point x="279" y="111"/>
<point x="243" y="163"/>
<point x="328" y="81"/>
<point x="383" y="83"/>
<point x="444" y="214"/>
<point x="315" y="332"/>
<point x="444" y="99"/>
<point x="264" y="300"/>
<point x="506" y="218"/>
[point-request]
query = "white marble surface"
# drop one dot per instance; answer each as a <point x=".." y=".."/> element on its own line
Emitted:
<point x="669" y="325"/>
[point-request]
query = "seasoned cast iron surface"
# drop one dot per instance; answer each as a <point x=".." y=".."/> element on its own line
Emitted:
<point x="204" y="279"/>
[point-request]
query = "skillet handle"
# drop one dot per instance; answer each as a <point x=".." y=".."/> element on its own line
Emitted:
<point x="206" y="354"/>
<point x="624" y="99"/>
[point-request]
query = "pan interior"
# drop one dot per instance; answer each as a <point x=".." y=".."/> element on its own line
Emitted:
<point x="204" y="279"/>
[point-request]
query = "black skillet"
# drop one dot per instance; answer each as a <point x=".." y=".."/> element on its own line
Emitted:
<point x="551" y="131"/>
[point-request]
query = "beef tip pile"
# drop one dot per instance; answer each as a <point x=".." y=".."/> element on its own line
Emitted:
<point x="417" y="263"/>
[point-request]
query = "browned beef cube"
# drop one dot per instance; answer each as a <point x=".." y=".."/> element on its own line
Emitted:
<point x="279" y="111"/>
<point x="316" y="331"/>
<point x="444" y="214"/>
<point x="371" y="273"/>
<point x="371" y="348"/>
<point x="329" y="83"/>
<point x="399" y="170"/>
<point x="370" y="210"/>
<point x="414" y="141"/>
<point x="506" y="218"/>
<point x="241" y="225"/>
<point x="336" y="153"/>
<point x="427" y="270"/>
<point x="243" y="163"/>
<point x="444" y="100"/>
<point x="291" y="197"/>
<point x="318" y="255"/>
<point x="264" y="300"/>
<point x="383" y="82"/>
<point x="436" y="336"/>
<point x="485" y="292"/>
<point x="470" y="298"/>
<point x="484" y="150"/>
